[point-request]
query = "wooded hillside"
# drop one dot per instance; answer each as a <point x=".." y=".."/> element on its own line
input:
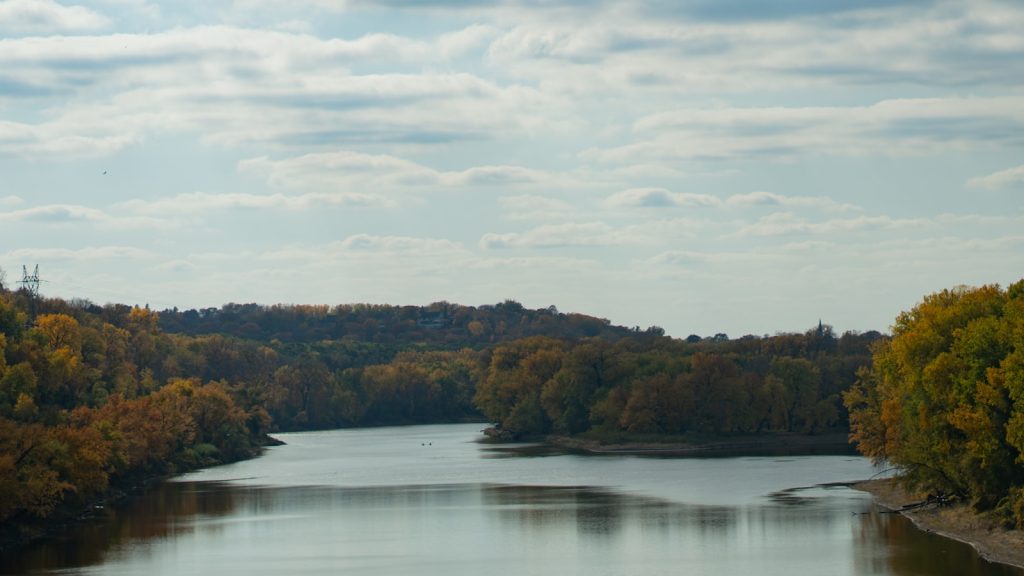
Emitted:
<point x="93" y="396"/>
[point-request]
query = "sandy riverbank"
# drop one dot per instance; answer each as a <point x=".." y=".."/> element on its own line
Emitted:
<point x="958" y="522"/>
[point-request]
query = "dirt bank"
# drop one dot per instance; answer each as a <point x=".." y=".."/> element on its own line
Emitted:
<point x="958" y="522"/>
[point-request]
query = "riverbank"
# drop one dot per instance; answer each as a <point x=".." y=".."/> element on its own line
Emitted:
<point x="19" y="534"/>
<point x="740" y="445"/>
<point x="958" y="521"/>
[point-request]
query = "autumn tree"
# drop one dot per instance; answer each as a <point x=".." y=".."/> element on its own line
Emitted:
<point x="944" y="398"/>
<point x="510" y="391"/>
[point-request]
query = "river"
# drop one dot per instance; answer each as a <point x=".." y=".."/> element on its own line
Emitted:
<point x="431" y="500"/>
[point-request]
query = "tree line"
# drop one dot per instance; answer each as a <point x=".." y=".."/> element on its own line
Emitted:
<point x="81" y="410"/>
<point x="783" y="383"/>
<point x="944" y="398"/>
<point x="98" y="396"/>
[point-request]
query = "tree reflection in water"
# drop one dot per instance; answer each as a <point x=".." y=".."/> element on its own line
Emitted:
<point x="891" y="544"/>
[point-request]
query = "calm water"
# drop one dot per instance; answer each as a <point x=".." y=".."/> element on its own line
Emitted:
<point x="430" y="500"/>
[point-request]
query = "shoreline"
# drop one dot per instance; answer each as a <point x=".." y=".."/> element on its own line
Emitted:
<point x="957" y="522"/>
<point x="752" y="445"/>
<point x="20" y="535"/>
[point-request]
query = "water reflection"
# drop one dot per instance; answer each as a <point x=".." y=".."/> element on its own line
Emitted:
<point x="470" y="514"/>
<point x="893" y="542"/>
<point x="160" y="513"/>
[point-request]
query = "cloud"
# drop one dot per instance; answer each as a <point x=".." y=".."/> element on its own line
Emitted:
<point x="10" y="201"/>
<point x="461" y="42"/>
<point x="343" y="169"/>
<point x="239" y="86"/>
<point x="382" y="173"/>
<point x="531" y="264"/>
<point x="760" y="198"/>
<point x="743" y="11"/>
<point x="659" y="198"/>
<point x="23" y="17"/>
<point x="663" y="198"/>
<point x="662" y="49"/>
<point x="73" y="214"/>
<point x="891" y="127"/>
<point x="370" y="246"/>
<point x="200" y="202"/>
<point x="553" y="236"/>
<point x="54" y="214"/>
<point x="688" y="258"/>
<point x="574" y="234"/>
<point x="175" y="266"/>
<point x="58" y="138"/>
<point x="1011" y="177"/>
<point x="532" y="207"/>
<point x="787" y="223"/>
<point x="398" y="245"/>
<point x="88" y="253"/>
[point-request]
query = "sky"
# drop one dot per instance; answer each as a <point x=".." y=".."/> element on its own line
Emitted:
<point x="704" y="166"/>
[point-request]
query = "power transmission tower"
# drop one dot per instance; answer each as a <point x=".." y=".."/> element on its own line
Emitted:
<point x="30" y="284"/>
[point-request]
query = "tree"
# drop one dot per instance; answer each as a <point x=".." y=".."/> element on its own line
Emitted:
<point x="591" y="366"/>
<point x="510" y="391"/>
<point x="659" y="404"/>
<point x="61" y="331"/>
<point x="799" y="381"/>
<point x="19" y="380"/>
<point x="944" y="397"/>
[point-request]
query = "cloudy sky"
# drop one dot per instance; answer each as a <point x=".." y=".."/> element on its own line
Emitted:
<point x="701" y="165"/>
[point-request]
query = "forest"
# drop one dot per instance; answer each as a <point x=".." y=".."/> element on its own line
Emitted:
<point x="943" y="400"/>
<point x="94" y="398"/>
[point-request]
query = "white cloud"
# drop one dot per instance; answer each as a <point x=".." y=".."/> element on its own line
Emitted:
<point x="687" y="258"/>
<point x="326" y="5"/>
<point x="785" y="223"/>
<point x="176" y="266"/>
<point x="533" y="207"/>
<point x="890" y="127"/>
<point x="22" y="17"/>
<point x="88" y="253"/>
<point x="54" y="213"/>
<point x="1008" y="178"/>
<point x="70" y="139"/>
<point x="659" y="198"/>
<point x="399" y="245"/>
<point x="575" y="234"/>
<point x="682" y="105"/>
<point x="343" y="169"/>
<point x="534" y="264"/>
<point x="73" y="214"/>
<point x="461" y="42"/>
<point x="665" y="48"/>
<point x="761" y="198"/>
<point x="240" y="86"/>
<point x="552" y="236"/>
<point x="370" y="247"/>
<point x="200" y="202"/>
<point x="382" y="173"/>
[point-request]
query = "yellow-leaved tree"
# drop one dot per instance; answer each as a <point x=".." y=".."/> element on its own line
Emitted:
<point x="944" y="399"/>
